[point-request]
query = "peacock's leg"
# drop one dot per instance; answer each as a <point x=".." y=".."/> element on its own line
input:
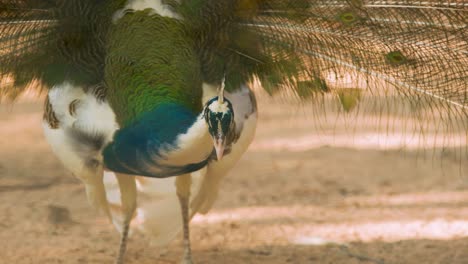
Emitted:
<point x="205" y="197"/>
<point x="128" y="195"/>
<point x="183" y="184"/>
<point x="92" y="177"/>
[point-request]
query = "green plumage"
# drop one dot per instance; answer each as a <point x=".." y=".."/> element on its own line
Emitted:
<point x="418" y="47"/>
<point x="151" y="60"/>
<point x="52" y="42"/>
<point x="151" y="68"/>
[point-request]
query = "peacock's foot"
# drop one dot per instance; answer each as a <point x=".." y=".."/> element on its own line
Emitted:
<point x="187" y="259"/>
<point x="183" y="184"/>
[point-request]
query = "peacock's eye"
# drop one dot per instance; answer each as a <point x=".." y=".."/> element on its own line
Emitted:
<point x="395" y="57"/>
<point x="348" y="18"/>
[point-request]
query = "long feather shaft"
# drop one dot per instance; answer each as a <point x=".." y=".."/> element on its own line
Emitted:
<point x="382" y="77"/>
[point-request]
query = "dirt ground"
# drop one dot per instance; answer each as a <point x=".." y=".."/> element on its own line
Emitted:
<point x="299" y="195"/>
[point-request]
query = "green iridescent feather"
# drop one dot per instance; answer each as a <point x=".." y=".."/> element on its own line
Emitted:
<point x="151" y="61"/>
<point x="418" y="47"/>
<point x="52" y="42"/>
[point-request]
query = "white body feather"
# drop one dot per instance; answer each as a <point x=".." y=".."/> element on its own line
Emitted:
<point x="157" y="7"/>
<point x="158" y="210"/>
<point x="90" y="117"/>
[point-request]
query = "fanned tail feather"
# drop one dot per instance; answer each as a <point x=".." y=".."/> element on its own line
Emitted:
<point x="420" y="47"/>
<point x="307" y="46"/>
<point x="51" y="41"/>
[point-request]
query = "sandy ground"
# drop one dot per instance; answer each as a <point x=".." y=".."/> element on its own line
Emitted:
<point x="297" y="196"/>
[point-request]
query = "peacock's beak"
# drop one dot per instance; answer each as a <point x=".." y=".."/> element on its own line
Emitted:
<point x="219" y="148"/>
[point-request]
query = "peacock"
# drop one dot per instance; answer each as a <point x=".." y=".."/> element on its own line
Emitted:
<point x="149" y="102"/>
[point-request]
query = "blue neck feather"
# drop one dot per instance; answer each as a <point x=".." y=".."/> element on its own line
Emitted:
<point x="140" y="147"/>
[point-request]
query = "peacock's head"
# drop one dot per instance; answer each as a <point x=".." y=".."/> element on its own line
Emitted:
<point x="219" y="116"/>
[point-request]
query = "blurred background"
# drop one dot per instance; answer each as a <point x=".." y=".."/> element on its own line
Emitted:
<point x="376" y="180"/>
